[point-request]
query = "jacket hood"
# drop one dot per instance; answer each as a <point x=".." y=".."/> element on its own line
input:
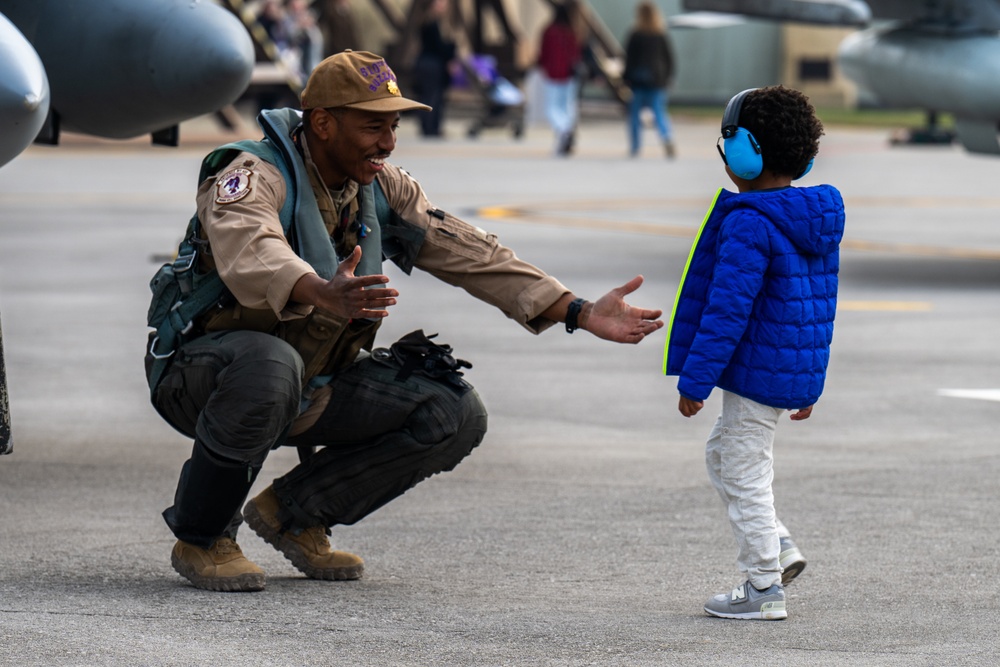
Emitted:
<point x="811" y="218"/>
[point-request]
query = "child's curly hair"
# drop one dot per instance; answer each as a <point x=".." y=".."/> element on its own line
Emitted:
<point x="785" y="125"/>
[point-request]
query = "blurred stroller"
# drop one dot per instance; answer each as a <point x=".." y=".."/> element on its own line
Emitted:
<point x="502" y="101"/>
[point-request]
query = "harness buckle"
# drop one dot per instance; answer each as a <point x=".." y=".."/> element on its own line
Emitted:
<point x="154" y="354"/>
<point x="184" y="262"/>
<point x="182" y="271"/>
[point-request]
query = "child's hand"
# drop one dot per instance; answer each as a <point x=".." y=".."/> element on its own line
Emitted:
<point x="804" y="413"/>
<point x="688" y="407"/>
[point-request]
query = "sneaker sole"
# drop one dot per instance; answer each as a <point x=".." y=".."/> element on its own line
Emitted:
<point x="244" y="583"/>
<point x="774" y="615"/>
<point x="792" y="563"/>
<point x="292" y="551"/>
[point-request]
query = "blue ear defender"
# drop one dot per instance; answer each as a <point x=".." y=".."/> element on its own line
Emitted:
<point x="742" y="151"/>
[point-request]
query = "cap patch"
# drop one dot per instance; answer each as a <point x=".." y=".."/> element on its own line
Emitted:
<point x="378" y="73"/>
<point x="232" y="186"/>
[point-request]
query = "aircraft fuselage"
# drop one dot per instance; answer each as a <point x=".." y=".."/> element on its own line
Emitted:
<point x="914" y="68"/>
<point x="907" y="68"/>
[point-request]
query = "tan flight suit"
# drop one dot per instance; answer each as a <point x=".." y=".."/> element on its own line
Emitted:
<point x="258" y="371"/>
<point x="260" y="268"/>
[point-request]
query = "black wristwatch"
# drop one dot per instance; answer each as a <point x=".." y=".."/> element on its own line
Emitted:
<point x="573" y="314"/>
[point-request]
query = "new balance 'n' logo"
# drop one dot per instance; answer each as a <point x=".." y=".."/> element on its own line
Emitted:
<point x="740" y="593"/>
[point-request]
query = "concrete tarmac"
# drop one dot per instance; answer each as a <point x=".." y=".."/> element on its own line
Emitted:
<point x="583" y="531"/>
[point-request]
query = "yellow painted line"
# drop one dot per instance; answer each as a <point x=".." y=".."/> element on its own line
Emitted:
<point x="499" y="212"/>
<point x="702" y="202"/>
<point x="523" y="217"/>
<point x="923" y="250"/>
<point x="897" y="306"/>
<point x="699" y="203"/>
<point x="919" y="201"/>
<point x="536" y="214"/>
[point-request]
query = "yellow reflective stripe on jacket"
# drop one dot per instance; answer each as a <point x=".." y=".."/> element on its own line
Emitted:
<point x="687" y="265"/>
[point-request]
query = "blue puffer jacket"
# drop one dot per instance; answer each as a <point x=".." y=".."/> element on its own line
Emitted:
<point x="754" y="311"/>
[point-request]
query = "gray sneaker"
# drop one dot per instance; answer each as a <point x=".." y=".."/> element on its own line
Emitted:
<point x="747" y="603"/>
<point x="791" y="560"/>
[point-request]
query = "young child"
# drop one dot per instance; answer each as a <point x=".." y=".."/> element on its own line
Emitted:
<point x="754" y="317"/>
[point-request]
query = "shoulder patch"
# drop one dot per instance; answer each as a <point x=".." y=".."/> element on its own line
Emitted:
<point x="233" y="185"/>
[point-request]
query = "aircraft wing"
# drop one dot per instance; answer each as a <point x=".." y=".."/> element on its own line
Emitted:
<point x="706" y="20"/>
<point x="930" y="54"/>
<point x="116" y="68"/>
<point x="953" y="16"/>
<point x="821" y="12"/>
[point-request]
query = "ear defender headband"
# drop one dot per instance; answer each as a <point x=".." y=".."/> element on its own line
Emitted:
<point x="742" y="151"/>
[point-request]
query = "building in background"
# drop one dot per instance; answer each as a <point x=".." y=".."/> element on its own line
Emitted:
<point x="714" y="64"/>
<point x="809" y="64"/>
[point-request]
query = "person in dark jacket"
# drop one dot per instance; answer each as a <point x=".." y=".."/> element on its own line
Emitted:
<point x="649" y="70"/>
<point x="754" y="317"/>
<point x="431" y="71"/>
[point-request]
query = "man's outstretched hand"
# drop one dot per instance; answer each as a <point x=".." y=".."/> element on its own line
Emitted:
<point x="347" y="295"/>
<point x="611" y="318"/>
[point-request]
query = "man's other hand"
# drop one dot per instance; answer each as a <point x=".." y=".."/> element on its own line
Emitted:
<point x="347" y="295"/>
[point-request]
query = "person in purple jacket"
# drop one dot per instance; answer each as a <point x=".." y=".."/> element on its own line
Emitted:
<point x="754" y="317"/>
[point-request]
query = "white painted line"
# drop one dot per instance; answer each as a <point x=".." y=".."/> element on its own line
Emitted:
<point x="981" y="394"/>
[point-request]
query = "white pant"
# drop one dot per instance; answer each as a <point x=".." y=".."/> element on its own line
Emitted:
<point x="560" y="105"/>
<point x="740" y="464"/>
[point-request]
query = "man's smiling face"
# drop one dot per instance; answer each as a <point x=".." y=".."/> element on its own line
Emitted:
<point x="356" y="145"/>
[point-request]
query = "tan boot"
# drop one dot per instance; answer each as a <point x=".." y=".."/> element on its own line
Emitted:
<point x="309" y="551"/>
<point x="221" y="567"/>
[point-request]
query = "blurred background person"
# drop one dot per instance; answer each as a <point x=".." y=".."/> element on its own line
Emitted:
<point x="274" y="19"/>
<point x="292" y="26"/>
<point x="305" y="36"/>
<point x="431" y="72"/>
<point x="337" y="23"/>
<point x="649" y="71"/>
<point x="272" y="15"/>
<point x="558" y="59"/>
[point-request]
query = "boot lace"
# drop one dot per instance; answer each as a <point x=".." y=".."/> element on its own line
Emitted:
<point x="318" y="535"/>
<point x="226" y="545"/>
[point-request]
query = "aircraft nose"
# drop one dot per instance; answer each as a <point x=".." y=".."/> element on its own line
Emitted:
<point x="121" y="68"/>
<point x="24" y="92"/>
<point x="33" y="102"/>
<point x="203" y="61"/>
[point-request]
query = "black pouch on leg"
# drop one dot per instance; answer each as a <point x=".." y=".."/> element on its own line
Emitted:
<point x="417" y="353"/>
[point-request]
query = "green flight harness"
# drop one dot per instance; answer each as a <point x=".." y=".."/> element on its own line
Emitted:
<point x="181" y="294"/>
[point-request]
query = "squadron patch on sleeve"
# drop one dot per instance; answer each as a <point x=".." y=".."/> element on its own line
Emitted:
<point x="233" y="185"/>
